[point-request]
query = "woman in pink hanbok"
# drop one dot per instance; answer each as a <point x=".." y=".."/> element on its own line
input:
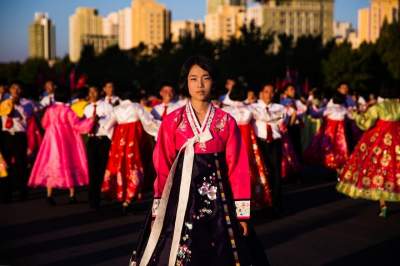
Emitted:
<point x="202" y="192"/>
<point x="61" y="161"/>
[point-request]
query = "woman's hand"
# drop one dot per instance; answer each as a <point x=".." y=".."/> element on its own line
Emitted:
<point x="245" y="228"/>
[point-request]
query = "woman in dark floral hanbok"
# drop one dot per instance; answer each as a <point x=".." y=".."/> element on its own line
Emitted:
<point x="202" y="192"/>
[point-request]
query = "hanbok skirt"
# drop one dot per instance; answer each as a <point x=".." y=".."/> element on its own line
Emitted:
<point x="124" y="172"/>
<point x="290" y="163"/>
<point x="311" y="127"/>
<point x="373" y="170"/>
<point x="329" y="147"/>
<point x="61" y="161"/>
<point x="211" y="234"/>
<point x="260" y="187"/>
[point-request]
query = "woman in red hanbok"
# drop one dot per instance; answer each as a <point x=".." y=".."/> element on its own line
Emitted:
<point x="329" y="147"/>
<point x="260" y="188"/>
<point x="373" y="170"/>
<point x="202" y="190"/>
<point x="124" y="172"/>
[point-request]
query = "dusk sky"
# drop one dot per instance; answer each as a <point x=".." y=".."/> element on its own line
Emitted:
<point x="16" y="15"/>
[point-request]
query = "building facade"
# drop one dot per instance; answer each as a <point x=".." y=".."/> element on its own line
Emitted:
<point x="151" y="23"/>
<point x="382" y="10"/>
<point x="371" y="19"/>
<point x="299" y="17"/>
<point x="364" y="25"/>
<point x="212" y="5"/>
<point x="99" y="42"/>
<point x="125" y="28"/>
<point x="184" y="28"/>
<point x="111" y="24"/>
<point x="226" y="23"/>
<point x="42" y="37"/>
<point x="85" y="21"/>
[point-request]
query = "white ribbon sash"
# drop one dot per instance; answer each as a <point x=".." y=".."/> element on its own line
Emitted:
<point x="203" y="137"/>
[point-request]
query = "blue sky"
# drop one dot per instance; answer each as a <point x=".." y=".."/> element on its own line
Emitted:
<point x="16" y="15"/>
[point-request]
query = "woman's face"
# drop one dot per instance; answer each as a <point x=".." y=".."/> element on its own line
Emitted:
<point x="199" y="83"/>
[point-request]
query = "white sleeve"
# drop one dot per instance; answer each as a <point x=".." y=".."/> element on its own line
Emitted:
<point x="111" y="122"/>
<point x="150" y="124"/>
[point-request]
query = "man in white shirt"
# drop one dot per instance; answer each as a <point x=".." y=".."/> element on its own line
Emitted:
<point x="269" y="119"/>
<point x="15" y="112"/>
<point x="98" y="144"/>
<point x="48" y="99"/>
<point x="110" y="98"/>
<point x="168" y="104"/>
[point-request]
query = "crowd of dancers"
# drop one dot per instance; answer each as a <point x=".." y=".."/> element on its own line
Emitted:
<point x="99" y="139"/>
<point x="237" y="152"/>
<point x="105" y="141"/>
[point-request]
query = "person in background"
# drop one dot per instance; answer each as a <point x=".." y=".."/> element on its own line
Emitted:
<point x="312" y="124"/>
<point x="98" y="143"/>
<point x="109" y="92"/>
<point x="344" y="89"/>
<point x="373" y="169"/>
<point x="251" y="97"/>
<point x="15" y="113"/>
<point x="61" y="161"/>
<point x="229" y="83"/>
<point x="123" y="178"/>
<point x="242" y="113"/>
<point x="295" y="110"/>
<point x="269" y="119"/>
<point x="168" y="104"/>
<point x="329" y="147"/>
<point x="353" y="132"/>
<point x="48" y="98"/>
